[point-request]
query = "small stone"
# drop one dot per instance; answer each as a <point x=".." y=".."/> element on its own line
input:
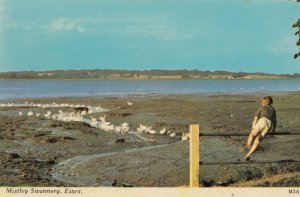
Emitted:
<point x="121" y="140"/>
<point x="50" y="161"/>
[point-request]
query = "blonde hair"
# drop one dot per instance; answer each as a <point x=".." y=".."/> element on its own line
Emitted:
<point x="267" y="99"/>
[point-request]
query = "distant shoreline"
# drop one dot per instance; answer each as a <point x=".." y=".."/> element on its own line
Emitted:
<point x="183" y="74"/>
<point x="152" y="79"/>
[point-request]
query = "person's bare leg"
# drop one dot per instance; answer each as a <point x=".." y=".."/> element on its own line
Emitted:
<point x="248" y="145"/>
<point x="249" y="141"/>
<point x="251" y="137"/>
<point x="253" y="148"/>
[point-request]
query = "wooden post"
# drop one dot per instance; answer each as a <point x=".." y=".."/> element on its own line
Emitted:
<point x="194" y="155"/>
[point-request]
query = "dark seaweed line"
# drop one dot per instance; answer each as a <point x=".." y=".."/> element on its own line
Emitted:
<point x="249" y="162"/>
<point x="243" y="134"/>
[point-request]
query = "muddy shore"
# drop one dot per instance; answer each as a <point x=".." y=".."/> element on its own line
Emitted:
<point x="36" y="151"/>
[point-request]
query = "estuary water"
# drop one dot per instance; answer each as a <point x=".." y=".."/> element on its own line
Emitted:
<point x="15" y="89"/>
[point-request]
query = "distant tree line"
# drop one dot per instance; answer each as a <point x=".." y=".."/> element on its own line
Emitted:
<point x="128" y="74"/>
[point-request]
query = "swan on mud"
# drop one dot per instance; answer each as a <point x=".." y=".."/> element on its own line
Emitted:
<point x="173" y="134"/>
<point x="142" y="128"/>
<point x="102" y="124"/>
<point x="124" y="127"/>
<point x="48" y="114"/>
<point x="30" y="113"/>
<point x="99" y="108"/>
<point x="7" y="105"/>
<point x="163" y="131"/>
<point x="152" y="131"/>
<point x="185" y="136"/>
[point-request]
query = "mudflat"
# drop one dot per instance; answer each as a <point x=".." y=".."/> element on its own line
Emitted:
<point x="37" y="151"/>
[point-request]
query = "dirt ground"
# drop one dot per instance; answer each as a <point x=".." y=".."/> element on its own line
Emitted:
<point x="36" y="151"/>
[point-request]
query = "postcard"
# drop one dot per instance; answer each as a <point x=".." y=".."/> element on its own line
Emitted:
<point x="149" y="98"/>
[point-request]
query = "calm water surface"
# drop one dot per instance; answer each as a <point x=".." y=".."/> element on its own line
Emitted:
<point x="14" y="89"/>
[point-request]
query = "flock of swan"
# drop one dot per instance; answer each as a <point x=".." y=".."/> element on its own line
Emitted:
<point x="100" y="123"/>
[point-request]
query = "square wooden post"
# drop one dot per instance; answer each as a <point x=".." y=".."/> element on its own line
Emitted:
<point x="194" y="155"/>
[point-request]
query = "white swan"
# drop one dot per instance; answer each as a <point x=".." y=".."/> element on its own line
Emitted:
<point x="48" y="114"/>
<point x="98" y="108"/>
<point x="94" y="122"/>
<point x="148" y="129"/>
<point x="152" y="131"/>
<point x="30" y="113"/>
<point x="139" y="130"/>
<point x="172" y="134"/>
<point x="20" y="113"/>
<point x="163" y="131"/>
<point x="129" y="103"/>
<point x="124" y="127"/>
<point x="107" y="127"/>
<point x="184" y="136"/>
<point x="142" y="127"/>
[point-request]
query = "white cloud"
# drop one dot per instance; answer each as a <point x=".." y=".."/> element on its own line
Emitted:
<point x="69" y="26"/>
<point x="80" y="29"/>
<point x="17" y="25"/>
<point x="65" y="25"/>
<point x="153" y="27"/>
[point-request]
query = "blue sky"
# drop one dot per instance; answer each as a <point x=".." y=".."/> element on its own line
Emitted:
<point x="245" y="35"/>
